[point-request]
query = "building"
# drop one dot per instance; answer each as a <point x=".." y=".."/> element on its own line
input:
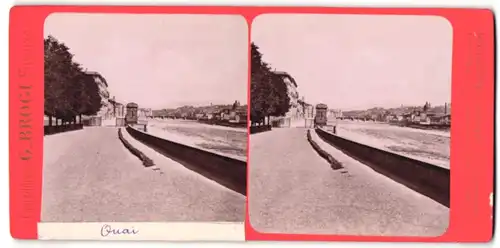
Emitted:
<point x="210" y="114"/>
<point x="308" y="111"/>
<point x="120" y="110"/>
<point x="394" y="117"/>
<point x="295" y="107"/>
<point x="239" y="115"/>
<point x="112" y="109"/>
<point x="144" y="112"/>
<point x="101" y="83"/>
<point x="335" y="113"/>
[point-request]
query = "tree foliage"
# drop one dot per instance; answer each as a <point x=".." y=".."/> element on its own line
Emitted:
<point x="269" y="92"/>
<point x="70" y="90"/>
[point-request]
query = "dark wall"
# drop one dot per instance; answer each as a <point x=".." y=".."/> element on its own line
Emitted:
<point x="48" y="130"/>
<point x="427" y="179"/>
<point x="231" y="173"/>
<point x="260" y="129"/>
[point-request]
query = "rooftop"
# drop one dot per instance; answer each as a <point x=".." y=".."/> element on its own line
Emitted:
<point x="286" y="75"/>
<point x="132" y="105"/>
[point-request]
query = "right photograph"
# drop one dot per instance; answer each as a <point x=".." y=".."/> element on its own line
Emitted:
<point x="350" y="124"/>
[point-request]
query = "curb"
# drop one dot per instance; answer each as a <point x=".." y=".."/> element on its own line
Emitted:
<point x="336" y="165"/>
<point x="146" y="161"/>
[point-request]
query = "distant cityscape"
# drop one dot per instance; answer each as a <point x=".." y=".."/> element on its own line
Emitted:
<point x="229" y="112"/>
<point x="424" y="114"/>
<point x="234" y="113"/>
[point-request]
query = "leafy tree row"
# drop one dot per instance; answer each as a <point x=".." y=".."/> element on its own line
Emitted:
<point x="268" y="91"/>
<point x="70" y="90"/>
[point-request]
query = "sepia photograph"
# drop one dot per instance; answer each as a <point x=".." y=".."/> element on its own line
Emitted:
<point x="350" y="124"/>
<point x="145" y="118"/>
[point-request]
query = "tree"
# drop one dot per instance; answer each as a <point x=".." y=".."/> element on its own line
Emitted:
<point x="70" y="90"/>
<point x="259" y="89"/>
<point x="91" y="100"/>
<point x="280" y="94"/>
<point x="260" y="99"/>
<point x="269" y="92"/>
<point x="58" y="70"/>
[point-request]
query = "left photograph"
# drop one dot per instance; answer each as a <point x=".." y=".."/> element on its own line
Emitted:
<point x="145" y="118"/>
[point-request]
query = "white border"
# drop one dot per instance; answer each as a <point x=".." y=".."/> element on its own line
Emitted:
<point x="152" y="231"/>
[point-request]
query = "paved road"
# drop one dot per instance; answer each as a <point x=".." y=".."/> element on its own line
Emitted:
<point x="90" y="176"/>
<point x="294" y="190"/>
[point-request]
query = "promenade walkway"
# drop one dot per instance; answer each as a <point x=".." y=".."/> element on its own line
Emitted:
<point x="90" y="176"/>
<point x="293" y="190"/>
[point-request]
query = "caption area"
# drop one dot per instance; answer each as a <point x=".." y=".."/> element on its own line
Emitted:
<point x="197" y="231"/>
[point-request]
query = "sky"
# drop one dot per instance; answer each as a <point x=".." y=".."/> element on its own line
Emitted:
<point x="160" y="61"/>
<point x="360" y="61"/>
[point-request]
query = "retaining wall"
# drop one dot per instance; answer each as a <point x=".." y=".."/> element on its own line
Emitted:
<point x="48" y="130"/>
<point x="230" y="172"/>
<point x="427" y="179"/>
<point x="260" y="129"/>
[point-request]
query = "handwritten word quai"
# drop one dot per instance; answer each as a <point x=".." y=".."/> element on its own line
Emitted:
<point x="107" y="230"/>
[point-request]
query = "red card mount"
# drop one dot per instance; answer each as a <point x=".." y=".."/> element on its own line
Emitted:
<point x="472" y="154"/>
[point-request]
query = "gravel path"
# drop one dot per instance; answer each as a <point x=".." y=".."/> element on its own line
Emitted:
<point x="293" y="190"/>
<point x="89" y="176"/>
